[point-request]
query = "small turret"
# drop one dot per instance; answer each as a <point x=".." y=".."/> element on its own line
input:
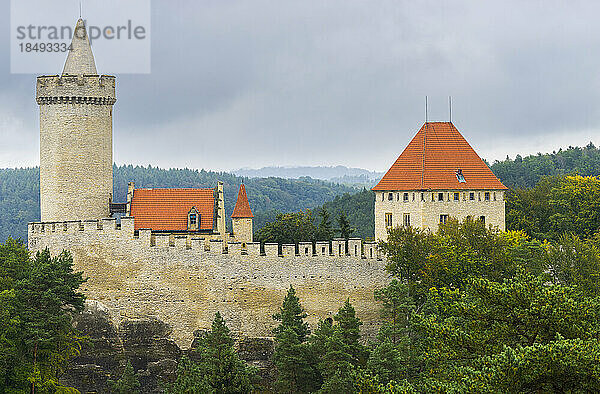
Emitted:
<point x="241" y="219"/>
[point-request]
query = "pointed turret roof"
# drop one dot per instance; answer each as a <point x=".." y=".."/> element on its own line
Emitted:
<point x="242" y="206"/>
<point x="80" y="59"/>
<point x="439" y="157"/>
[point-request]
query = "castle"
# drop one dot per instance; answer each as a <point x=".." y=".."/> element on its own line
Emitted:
<point x="170" y="256"/>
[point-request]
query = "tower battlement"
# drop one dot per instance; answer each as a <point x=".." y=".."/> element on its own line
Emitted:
<point x="76" y="89"/>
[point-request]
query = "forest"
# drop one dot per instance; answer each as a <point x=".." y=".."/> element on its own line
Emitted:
<point x="19" y="192"/>
<point x="270" y="197"/>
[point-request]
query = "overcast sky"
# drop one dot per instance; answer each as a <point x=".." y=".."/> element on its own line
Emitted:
<point x="258" y="83"/>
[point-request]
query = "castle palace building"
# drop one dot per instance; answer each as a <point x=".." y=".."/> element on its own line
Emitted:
<point x="438" y="176"/>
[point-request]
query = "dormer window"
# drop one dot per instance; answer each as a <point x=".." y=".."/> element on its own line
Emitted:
<point x="193" y="219"/>
<point x="460" y="176"/>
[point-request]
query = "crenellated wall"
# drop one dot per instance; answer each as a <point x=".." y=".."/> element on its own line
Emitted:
<point x="184" y="280"/>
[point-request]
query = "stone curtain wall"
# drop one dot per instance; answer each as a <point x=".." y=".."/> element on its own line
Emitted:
<point x="178" y="281"/>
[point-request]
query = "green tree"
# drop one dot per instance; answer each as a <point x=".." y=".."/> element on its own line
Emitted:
<point x="291" y="315"/>
<point x="218" y="369"/>
<point x="345" y="229"/>
<point x="38" y="299"/>
<point x="294" y="360"/>
<point x="191" y="379"/>
<point x="339" y="351"/>
<point x="324" y="230"/>
<point x="128" y="383"/>
<point x="288" y="228"/>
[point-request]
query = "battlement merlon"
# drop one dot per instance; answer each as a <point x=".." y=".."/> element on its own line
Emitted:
<point x="107" y="231"/>
<point x="84" y="89"/>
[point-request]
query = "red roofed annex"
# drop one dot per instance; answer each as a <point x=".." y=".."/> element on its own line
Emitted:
<point x="437" y="176"/>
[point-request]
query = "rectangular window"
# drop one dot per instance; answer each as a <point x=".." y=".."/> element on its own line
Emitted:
<point x="456" y="196"/>
<point x="440" y="196"/>
<point x="472" y="196"/>
<point x="406" y="219"/>
<point x="487" y="196"/>
<point x="482" y="218"/>
<point x="405" y="197"/>
<point x="391" y="197"/>
<point x="494" y="196"/>
<point x="422" y="196"/>
<point x="382" y="196"/>
<point x="388" y="220"/>
<point x="443" y="218"/>
<point x="193" y="219"/>
<point x="398" y="196"/>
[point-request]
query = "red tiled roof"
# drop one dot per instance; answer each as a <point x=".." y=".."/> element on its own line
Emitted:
<point x="431" y="160"/>
<point x="167" y="209"/>
<point x="242" y="206"/>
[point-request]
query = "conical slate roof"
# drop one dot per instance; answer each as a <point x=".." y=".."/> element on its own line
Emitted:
<point x="435" y="159"/>
<point x="80" y="59"/>
<point x="242" y="206"/>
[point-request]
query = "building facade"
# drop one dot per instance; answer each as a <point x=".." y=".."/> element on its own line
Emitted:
<point x="438" y="176"/>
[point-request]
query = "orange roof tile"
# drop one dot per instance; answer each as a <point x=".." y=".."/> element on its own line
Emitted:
<point x="242" y="206"/>
<point x="431" y="161"/>
<point x="167" y="209"/>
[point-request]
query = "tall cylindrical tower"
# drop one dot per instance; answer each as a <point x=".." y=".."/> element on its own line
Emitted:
<point x="76" y="179"/>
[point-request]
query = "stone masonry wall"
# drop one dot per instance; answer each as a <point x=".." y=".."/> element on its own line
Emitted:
<point x="179" y="281"/>
<point x="75" y="146"/>
<point x="425" y="212"/>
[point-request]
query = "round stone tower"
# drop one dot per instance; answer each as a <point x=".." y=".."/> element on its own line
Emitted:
<point x="76" y="179"/>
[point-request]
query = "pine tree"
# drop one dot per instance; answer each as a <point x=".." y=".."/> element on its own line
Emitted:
<point x="324" y="231"/>
<point x="292" y="315"/>
<point x="296" y="365"/>
<point x="127" y="384"/>
<point x="219" y="368"/>
<point x="348" y="325"/>
<point x="345" y="229"/>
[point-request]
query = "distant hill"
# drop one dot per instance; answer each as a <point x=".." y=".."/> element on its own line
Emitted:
<point x="525" y="172"/>
<point x="19" y="192"/>
<point x="338" y="174"/>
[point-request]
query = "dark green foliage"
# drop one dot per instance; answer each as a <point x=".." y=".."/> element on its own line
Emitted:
<point x="339" y="351"/>
<point x="526" y="172"/>
<point x="191" y="379"/>
<point x="556" y="205"/>
<point x="324" y="230"/>
<point x="19" y="201"/>
<point x="37" y="300"/>
<point x="493" y="312"/>
<point x="294" y="360"/>
<point x="20" y="192"/>
<point x="345" y="229"/>
<point x="359" y="209"/>
<point x="288" y="228"/>
<point x="218" y="369"/>
<point x="127" y="384"/>
<point x="291" y="315"/>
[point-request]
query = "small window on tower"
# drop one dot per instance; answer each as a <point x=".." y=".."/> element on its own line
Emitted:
<point x="388" y="220"/>
<point x="406" y="219"/>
